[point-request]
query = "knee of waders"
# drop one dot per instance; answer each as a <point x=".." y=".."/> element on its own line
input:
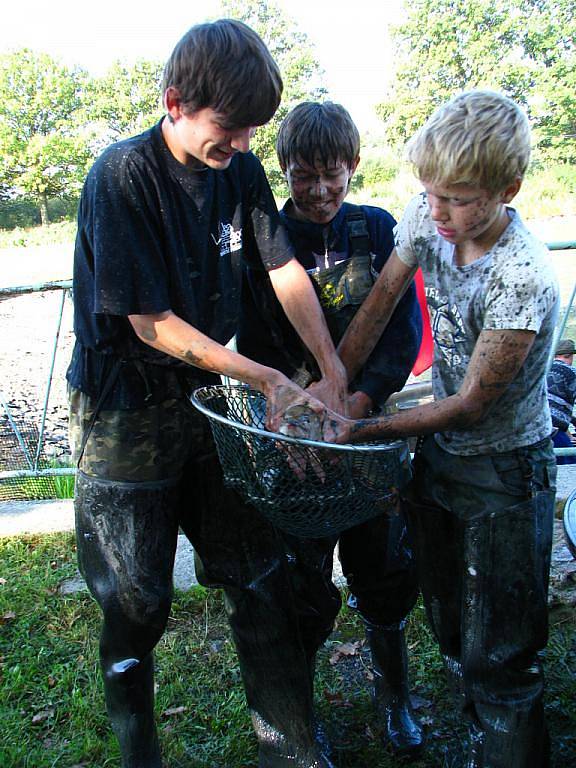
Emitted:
<point x="126" y="536"/>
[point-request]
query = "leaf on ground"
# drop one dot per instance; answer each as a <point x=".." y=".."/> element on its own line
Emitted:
<point x="51" y="681"/>
<point x="345" y="649"/>
<point x="3" y="581"/>
<point x="40" y="717"/>
<point x="6" y="617"/>
<point x="369" y="675"/>
<point x="173" y="711"/>
<point x="336" y="699"/>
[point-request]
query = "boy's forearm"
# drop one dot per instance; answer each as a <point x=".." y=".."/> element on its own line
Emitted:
<point x="370" y="321"/>
<point x="451" y="413"/>
<point x="170" y="334"/>
<point x="497" y="358"/>
<point x="296" y="294"/>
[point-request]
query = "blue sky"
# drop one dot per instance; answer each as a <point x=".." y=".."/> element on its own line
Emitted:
<point x="350" y="38"/>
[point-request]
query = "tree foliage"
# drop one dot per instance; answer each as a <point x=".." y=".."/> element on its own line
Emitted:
<point x="294" y="54"/>
<point x="41" y="143"/>
<point x="126" y="100"/>
<point x="54" y="120"/>
<point x="524" y="48"/>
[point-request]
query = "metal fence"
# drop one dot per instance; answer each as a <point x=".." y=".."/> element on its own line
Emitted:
<point x="34" y="453"/>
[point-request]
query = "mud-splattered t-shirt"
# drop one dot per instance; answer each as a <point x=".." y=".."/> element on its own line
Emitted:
<point x="511" y="287"/>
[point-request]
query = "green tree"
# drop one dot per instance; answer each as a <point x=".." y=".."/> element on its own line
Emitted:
<point x="43" y="148"/>
<point x="125" y="101"/>
<point x="524" y="48"/>
<point x="550" y="44"/>
<point x="294" y="54"/>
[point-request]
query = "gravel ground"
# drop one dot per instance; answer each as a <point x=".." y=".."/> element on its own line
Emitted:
<point x="30" y="323"/>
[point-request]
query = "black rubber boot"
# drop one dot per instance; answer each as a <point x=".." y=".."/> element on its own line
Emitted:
<point x="277" y="681"/>
<point x="298" y="740"/>
<point x="129" y="688"/>
<point x="401" y="728"/>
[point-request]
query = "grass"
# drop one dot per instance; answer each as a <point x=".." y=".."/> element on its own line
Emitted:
<point x="53" y="234"/>
<point x="51" y="701"/>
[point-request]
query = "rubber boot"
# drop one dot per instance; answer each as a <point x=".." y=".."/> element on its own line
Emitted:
<point x="391" y="698"/>
<point x="277" y="682"/>
<point x="278" y="749"/>
<point x="129" y="689"/>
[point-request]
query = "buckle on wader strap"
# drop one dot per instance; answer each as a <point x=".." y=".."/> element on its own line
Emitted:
<point x="358" y="232"/>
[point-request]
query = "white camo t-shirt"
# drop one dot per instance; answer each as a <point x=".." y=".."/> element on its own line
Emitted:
<point x="512" y="287"/>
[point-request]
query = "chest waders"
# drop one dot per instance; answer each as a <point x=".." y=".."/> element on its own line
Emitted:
<point x="341" y="289"/>
<point x="127" y="520"/>
<point x="376" y="557"/>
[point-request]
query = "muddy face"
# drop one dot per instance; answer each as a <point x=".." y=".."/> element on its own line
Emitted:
<point x="465" y="214"/>
<point x="318" y="191"/>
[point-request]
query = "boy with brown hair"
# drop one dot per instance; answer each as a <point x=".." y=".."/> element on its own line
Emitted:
<point x="343" y="247"/>
<point x="482" y="498"/>
<point x="166" y="221"/>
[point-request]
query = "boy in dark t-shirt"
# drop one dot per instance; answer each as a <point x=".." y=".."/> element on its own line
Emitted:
<point x="166" y="221"/>
<point x="343" y="248"/>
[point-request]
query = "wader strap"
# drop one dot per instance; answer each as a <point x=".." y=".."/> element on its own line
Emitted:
<point x="104" y="392"/>
<point x="357" y="232"/>
<point x="359" y="242"/>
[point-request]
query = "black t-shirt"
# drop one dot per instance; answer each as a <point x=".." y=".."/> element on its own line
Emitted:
<point x="155" y="235"/>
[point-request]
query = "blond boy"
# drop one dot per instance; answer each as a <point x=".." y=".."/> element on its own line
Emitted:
<point x="481" y="502"/>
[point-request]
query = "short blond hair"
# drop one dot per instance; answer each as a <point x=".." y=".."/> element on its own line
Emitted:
<point x="481" y="138"/>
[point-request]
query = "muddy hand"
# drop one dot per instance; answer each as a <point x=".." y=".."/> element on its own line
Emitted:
<point x="283" y="397"/>
<point x="336" y="428"/>
<point x="333" y="393"/>
<point x="301" y="422"/>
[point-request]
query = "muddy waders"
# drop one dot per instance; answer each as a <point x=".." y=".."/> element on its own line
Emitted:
<point x="127" y="532"/>
<point x="482" y="530"/>
<point x="379" y="566"/>
<point x="126" y="545"/>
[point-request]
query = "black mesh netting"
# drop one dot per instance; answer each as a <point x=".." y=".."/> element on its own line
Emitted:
<point x="18" y="446"/>
<point x="305" y="489"/>
<point x="34" y="355"/>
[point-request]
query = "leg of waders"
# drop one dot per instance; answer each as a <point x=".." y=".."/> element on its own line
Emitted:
<point x="505" y="627"/>
<point x="401" y="727"/>
<point x="317" y="601"/>
<point x="378" y="563"/>
<point x="241" y="552"/>
<point x="484" y="573"/>
<point x="126" y="536"/>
